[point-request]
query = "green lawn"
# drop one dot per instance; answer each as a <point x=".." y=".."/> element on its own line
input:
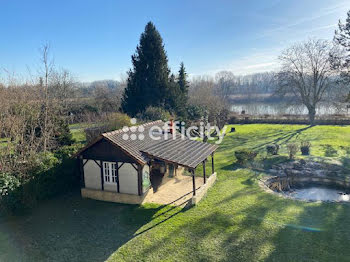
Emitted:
<point x="77" y="131"/>
<point x="3" y="142"/>
<point x="236" y="221"/>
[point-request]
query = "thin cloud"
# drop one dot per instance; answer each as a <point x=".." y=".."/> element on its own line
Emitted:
<point x="260" y="65"/>
<point x="323" y="12"/>
<point x="259" y="61"/>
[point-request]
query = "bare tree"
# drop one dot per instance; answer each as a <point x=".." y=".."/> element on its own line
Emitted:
<point x="202" y="93"/>
<point x="225" y="84"/>
<point x="46" y="71"/>
<point x="306" y="72"/>
<point x="61" y="89"/>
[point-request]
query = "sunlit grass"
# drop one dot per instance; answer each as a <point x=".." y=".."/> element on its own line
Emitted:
<point x="236" y="221"/>
<point x="3" y="142"/>
<point x="77" y="131"/>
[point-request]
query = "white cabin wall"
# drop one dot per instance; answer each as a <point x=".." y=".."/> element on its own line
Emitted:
<point x="92" y="175"/>
<point x="128" y="179"/>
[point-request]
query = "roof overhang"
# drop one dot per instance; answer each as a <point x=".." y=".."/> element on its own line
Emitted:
<point x="184" y="152"/>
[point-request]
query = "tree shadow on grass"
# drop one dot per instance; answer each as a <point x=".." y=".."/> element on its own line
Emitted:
<point x="265" y="164"/>
<point x="284" y="138"/>
<point x="247" y="225"/>
<point x="70" y="228"/>
<point x="226" y="233"/>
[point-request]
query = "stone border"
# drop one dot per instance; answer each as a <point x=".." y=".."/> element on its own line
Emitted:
<point x="200" y="193"/>
<point x="265" y="183"/>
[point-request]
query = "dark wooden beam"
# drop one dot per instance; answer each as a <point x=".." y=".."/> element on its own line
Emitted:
<point x="204" y="176"/>
<point x="193" y="182"/>
<point x="84" y="163"/>
<point x="102" y="180"/>
<point x="100" y="165"/>
<point x="139" y="179"/>
<point x="117" y="176"/>
<point x="136" y="167"/>
<point x="121" y="165"/>
<point x="212" y="163"/>
<point x="81" y="171"/>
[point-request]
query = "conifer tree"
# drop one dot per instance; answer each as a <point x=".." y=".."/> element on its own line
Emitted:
<point x="183" y="94"/>
<point x="182" y="81"/>
<point x="342" y="38"/>
<point x="148" y="80"/>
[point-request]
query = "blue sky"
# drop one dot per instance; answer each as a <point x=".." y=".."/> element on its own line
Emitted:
<point x="95" y="39"/>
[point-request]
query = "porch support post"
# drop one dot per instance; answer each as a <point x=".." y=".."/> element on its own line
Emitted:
<point x="212" y="163"/>
<point x="117" y="175"/>
<point x="139" y="179"/>
<point x="102" y="181"/>
<point x="193" y="182"/>
<point x="204" y="177"/>
<point x="81" y="170"/>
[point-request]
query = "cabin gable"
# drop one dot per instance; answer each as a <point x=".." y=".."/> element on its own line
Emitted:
<point x="105" y="150"/>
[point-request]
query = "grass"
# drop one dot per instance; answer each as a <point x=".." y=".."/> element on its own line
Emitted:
<point x="236" y="221"/>
<point x="77" y="131"/>
<point x="3" y="142"/>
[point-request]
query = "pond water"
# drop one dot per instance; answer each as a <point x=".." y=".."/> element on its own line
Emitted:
<point x="318" y="193"/>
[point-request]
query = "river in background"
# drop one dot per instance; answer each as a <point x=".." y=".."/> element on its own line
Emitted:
<point x="282" y="109"/>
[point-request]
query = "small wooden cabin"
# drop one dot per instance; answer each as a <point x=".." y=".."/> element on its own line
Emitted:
<point x="117" y="166"/>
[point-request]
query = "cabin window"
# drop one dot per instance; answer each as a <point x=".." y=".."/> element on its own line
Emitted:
<point x="110" y="172"/>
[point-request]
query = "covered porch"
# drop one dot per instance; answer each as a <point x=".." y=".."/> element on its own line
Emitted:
<point x="179" y="188"/>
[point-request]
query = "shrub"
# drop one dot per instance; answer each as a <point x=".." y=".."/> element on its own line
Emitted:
<point x="154" y="113"/>
<point x="108" y="123"/>
<point x="93" y="132"/>
<point x="233" y="119"/>
<point x="116" y="121"/>
<point x="194" y="112"/>
<point x="245" y="155"/>
<point x="63" y="136"/>
<point x="50" y="174"/>
<point x="8" y="183"/>
<point x="272" y="149"/>
<point x="67" y="152"/>
<point x="305" y="148"/>
<point x="292" y="150"/>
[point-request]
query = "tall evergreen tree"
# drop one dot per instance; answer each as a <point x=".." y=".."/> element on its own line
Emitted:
<point x="173" y="96"/>
<point x="148" y="80"/>
<point x="342" y="38"/>
<point x="183" y="86"/>
<point x="182" y="80"/>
